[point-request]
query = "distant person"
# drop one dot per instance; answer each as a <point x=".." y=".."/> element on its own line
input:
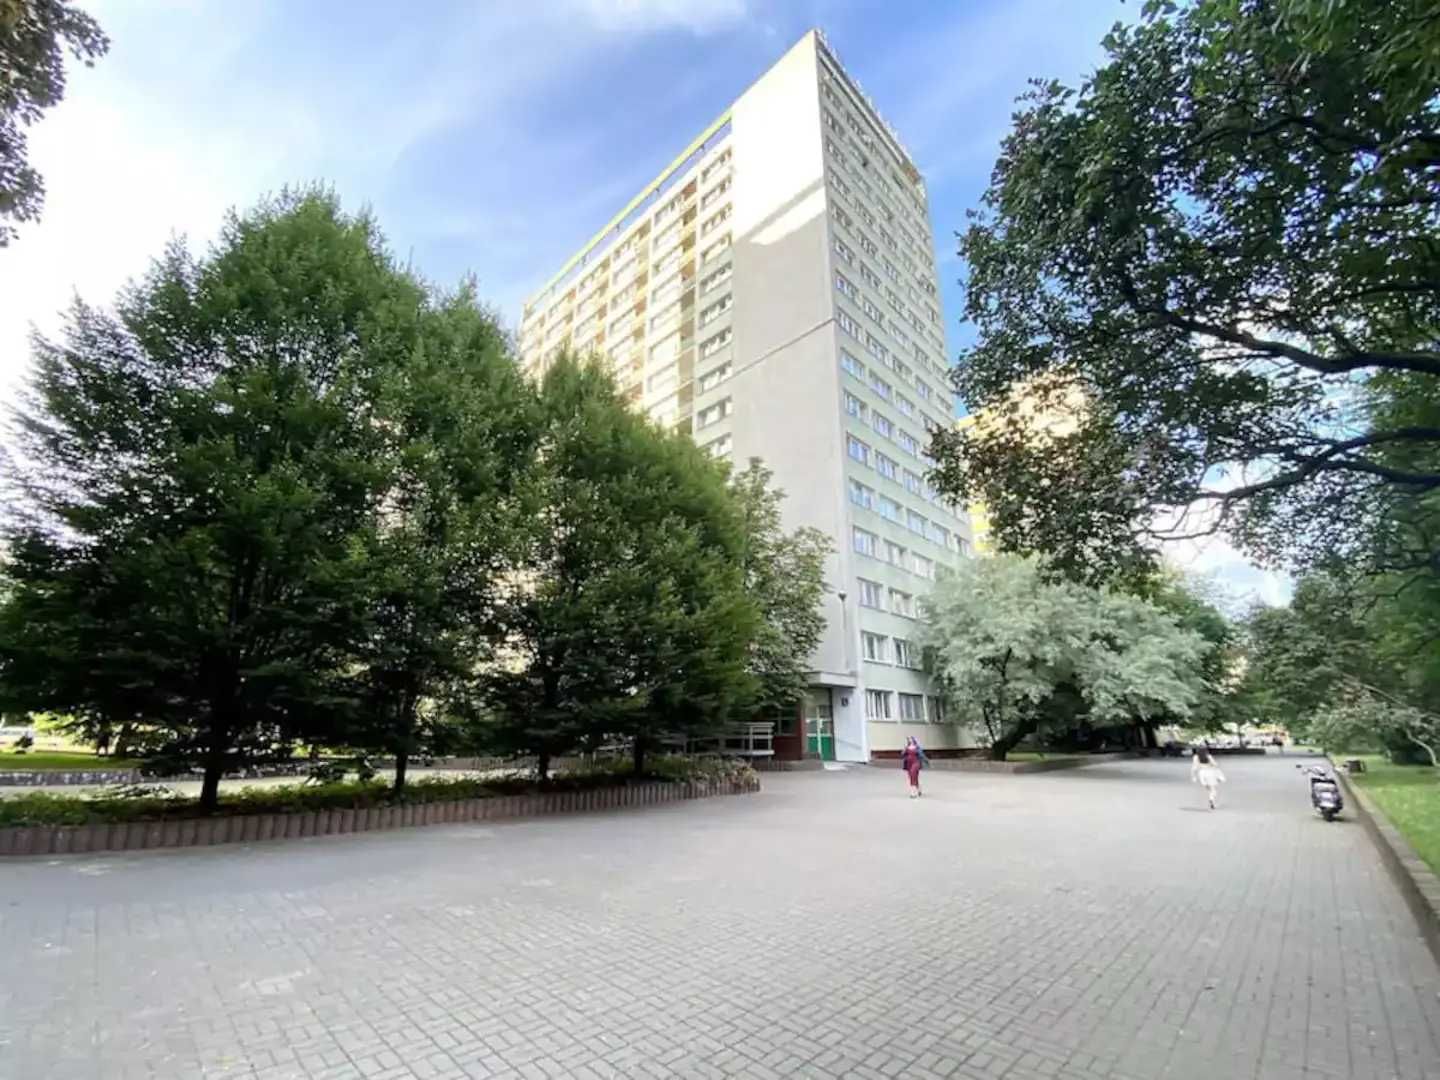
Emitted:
<point x="912" y="760"/>
<point x="1207" y="774"/>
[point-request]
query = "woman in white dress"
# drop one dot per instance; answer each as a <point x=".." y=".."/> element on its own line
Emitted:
<point x="1207" y="774"/>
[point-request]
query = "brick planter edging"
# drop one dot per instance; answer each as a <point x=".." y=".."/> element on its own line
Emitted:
<point x="251" y="828"/>
<point x="1048" y="765"/>
<point x="1412" y="876"/>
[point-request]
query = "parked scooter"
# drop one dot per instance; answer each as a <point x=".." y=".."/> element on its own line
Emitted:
<point x="1324" y="792"/>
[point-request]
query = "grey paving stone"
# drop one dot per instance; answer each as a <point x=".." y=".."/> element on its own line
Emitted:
<point x="1093" y="925"/>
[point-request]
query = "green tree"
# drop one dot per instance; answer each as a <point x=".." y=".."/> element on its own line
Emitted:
<point x="785" y="578"/>
<point x="460" y="431"/>
<point x="34" y="35"/>
<point x="1223" y="242"/>
<point x="1011" y="645"/>
<point x="1362" y="716"/>
<point x="200" y="479"/>
<point x="626" y="613"/>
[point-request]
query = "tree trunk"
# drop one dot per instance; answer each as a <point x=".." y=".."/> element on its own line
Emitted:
<point x="638" y="752"/>
<point x="403" y="744"/>
<point x="402" y="763"/>
<point x="1007" y="742"/>
<point x="542" y="765"/>
<point x="210" y="785"/>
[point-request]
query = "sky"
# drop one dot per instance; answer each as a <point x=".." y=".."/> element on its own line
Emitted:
<point x="493" y="138"/>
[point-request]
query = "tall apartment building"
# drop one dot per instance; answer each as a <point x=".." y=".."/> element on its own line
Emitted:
<point x="772" y="293"/>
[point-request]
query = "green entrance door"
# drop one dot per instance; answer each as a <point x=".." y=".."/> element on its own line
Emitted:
<point x="819" y="725"/>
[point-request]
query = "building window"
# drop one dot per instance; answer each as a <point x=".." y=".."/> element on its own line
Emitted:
<point x="715" y="166"/>
<point x="902" y="603"/>
<point x="865" y="543"/>
<point x="870" y="594"/>
<point x="874" y="312"/>
<point x="857" y="450"/>
<point x="843" y="250"/>
<point x="663" y="381"/>
<point x="841" y="216"/>
<point x="711" y="346"/>
<point x="717" y="278"/>
<point x="718" y="448"/>
<point x="886" y="467"/>
<point x="905" y="654"/>
<point x="712" y="414"/>
<point x="882" y="424"/>
<point x="877" y="705"/>
<point x="715" y="250"/>
<point x="907" y="442"/>
<point x="912" y="482"/>
<point x="912" y="707"/>
<point x="896" y="555"/>
<point x="714" y="377"/>
<point x="891" y="272"/>
<point x="905" y="405"/>
<point x="923" y="389"/>
<point x="938" y="534"/>
<point x="861" y="495"/>
<point x="715" y="310"/>
<point x="880" y="386"/>
<point x="916" y="523"/>
<point x="850" y="364"/>
<point x="877" y="348"/>
<point x="715" y="221"/>
<point x="714" y="193"/>
<point x="855" y="407"/>
<point x="846" y="286"/>
<point x="888" y="508"/>
<point x="868" y="246"/>
<point x="937" y="710"/>
<point x="870" y="277"/>
<point x="875" y="647"/>
<point x="847" y="323"/>
<point x="924" y="567"/>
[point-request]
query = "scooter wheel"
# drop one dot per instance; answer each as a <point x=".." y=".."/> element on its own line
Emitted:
<point x="1328" y="815"/>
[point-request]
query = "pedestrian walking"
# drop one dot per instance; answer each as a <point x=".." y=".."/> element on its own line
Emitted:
<point x="1207" y="774"/>
<point x="912" y="760"/>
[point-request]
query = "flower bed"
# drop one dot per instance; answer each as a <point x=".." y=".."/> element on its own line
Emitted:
<point x="43" y="823"/>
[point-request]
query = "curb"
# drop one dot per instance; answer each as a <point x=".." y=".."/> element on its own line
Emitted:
<point x="251" y="828"/>
<point x="984" y="765"/>
<point x="1415" y="880"/>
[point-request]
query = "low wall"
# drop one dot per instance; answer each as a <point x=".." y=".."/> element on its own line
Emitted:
<point x="786" y="764"/>
<point x="1411" y="874"/>
<point x="252" y="828"/>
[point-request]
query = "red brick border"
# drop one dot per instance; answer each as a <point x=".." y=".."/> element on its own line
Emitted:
<point x="251" y="828"/>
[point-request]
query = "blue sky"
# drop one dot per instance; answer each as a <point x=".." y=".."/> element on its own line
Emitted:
<point x="488" y="137"/>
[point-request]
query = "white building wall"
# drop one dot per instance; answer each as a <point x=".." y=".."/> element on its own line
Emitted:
<point x="764" y="378"/>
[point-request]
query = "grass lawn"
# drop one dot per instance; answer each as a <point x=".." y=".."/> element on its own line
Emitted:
<point x="60" y="761"/>
<point x="1410" y="797"/>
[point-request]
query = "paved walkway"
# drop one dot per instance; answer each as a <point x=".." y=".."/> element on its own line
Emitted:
<point x="1091" y="924"/>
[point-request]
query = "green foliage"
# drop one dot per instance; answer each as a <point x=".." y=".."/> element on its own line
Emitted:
<point x="44" y="808"/>
<point x="1222" y="245"/>
<point x="627" y="615"/>
<point x="203" y="479"/>
<point x="34" y="35"/>
<point x="1010" y="646"/>
<point x="60" y="761"/>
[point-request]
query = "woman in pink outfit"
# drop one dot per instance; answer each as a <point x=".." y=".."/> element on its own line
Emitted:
<point x="912" y="760"/>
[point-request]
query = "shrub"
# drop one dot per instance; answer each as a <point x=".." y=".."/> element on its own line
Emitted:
<point x="139" y="803"/>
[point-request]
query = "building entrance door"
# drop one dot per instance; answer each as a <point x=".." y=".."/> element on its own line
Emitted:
<point x="819" y="724"/>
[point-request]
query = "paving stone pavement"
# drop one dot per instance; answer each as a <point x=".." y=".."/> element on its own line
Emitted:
<point x="1096" y="925"/>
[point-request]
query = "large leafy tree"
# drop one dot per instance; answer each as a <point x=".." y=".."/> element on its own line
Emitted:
<point x="1223" y="244"/>
<point x="34" y="35"/>
<point x="459" y="427"/>
<point x="1020" y="653"/>
<point x="785" y="578"/>
<point x="626" y="615"/>
<point x="199" y="483"/>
